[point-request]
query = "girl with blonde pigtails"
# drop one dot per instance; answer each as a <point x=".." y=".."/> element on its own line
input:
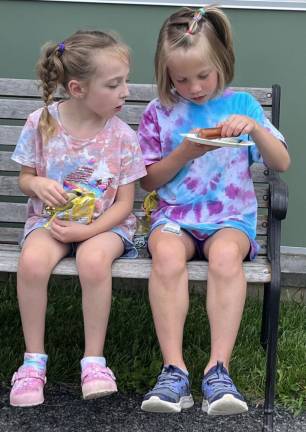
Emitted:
<point x="206" y="204"/>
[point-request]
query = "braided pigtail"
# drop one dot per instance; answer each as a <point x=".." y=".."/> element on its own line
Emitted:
<point x="50" y="72"/>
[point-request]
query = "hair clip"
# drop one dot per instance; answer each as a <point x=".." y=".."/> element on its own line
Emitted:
<point x="198" y="15"/>
<point x="61" y="48"/>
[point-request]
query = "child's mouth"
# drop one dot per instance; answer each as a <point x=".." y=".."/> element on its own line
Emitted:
<point x="198" y="99"/>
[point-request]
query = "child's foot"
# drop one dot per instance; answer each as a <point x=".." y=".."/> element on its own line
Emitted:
<point x="97" y="381"/>
<point x="28" y="387"/>
<point x="170" y="394"/>
<point x="221" y="397"/>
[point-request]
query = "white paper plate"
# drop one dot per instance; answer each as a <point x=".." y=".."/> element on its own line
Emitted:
<point x="220" y="142"/>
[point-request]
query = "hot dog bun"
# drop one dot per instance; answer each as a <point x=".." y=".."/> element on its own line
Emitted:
<point x="210" y="133"/>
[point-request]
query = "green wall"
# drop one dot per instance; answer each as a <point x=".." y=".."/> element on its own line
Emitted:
<point x="270" y="48"/>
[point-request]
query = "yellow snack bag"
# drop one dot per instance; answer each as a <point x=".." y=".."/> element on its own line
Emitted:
<point x="79" y="208"/>
<point x="150" y="203"/>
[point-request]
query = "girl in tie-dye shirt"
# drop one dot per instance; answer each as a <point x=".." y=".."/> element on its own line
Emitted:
<point x="206" y="202"/>
<point x="76" y="152"/>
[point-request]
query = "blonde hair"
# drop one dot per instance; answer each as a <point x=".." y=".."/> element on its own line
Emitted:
<point x="71" y="59"/>
<point x="212" y="33"/>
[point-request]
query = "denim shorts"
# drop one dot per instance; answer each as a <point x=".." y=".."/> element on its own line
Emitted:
<point x="130" y="250"/>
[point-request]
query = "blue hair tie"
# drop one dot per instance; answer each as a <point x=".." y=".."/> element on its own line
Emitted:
<point x="61" y="48"/>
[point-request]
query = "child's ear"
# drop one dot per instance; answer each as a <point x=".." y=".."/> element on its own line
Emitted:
<point x="76" y="89"/>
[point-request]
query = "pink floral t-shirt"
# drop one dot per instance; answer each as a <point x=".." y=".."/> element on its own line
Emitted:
<point x="101" y="164"/>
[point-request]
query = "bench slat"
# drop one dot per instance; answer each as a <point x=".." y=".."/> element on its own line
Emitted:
<point x="29" y="88"/>
<point x="20" y="109"/>
<point x="256" y="271"/>
<point x="9" y="135"/>
<point x="12" y="212"/>
<point x="142" y="92"/>
<point x="20" y="87"/>
<point x="10" y="235"/>
<point x="7" y="164"/>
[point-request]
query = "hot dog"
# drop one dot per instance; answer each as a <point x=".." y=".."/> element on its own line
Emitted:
<point x="210" y="133"/>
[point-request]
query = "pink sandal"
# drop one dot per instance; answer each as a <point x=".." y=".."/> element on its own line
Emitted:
<point x="97" y="381"/>
<point x="27" y="387"/>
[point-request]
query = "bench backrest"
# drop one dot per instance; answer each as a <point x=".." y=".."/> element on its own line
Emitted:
<point x="19" y="97"/>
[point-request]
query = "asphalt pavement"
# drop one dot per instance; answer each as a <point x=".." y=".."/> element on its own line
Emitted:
<point x="65" y="411"/>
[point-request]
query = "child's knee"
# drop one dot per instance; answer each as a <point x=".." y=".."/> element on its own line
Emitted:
<point x="33" y="263"/>
<point x="168" y="260"/>
<point x="94" y="265"/>
<point x="225" y="258"/>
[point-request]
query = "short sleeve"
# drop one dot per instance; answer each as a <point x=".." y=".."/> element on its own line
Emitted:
<point x="132" y="163"/>
<point x="149" y="136"/>
<point x="256" y="112"/>
<point x="25" y="150"/>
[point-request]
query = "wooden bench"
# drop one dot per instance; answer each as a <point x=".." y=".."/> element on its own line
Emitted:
<point x="19" y="97"/>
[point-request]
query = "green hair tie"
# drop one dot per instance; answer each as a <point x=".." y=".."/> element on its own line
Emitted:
<point x="202" y="11"/>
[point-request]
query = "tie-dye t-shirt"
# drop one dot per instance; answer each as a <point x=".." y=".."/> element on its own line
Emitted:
<point x="101" y="164"/>
<point x="215" y="190"/>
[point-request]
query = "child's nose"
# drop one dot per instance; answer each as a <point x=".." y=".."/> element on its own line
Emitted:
<point x="195" y="87"/>
<point x="125" y="92"/>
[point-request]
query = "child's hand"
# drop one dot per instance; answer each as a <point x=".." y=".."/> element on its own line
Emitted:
<point x="69" y="231"/>
<point x="193" y="150"/>
<point x="49" y="191"/>
<point x="237" y="125"/>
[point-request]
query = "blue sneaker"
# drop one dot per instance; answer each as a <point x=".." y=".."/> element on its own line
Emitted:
<point x="170" y="394"/>
<point x="220" y="394"/>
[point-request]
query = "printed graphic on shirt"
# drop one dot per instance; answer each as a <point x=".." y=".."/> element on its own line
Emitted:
<point x="83" y="187"/>
<point x="86" y="179"/>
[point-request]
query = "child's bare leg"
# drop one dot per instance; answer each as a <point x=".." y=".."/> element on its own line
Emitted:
<point x="169" y="298"/>
<point x="94" y="260"/>
<point x="226" y="291"/>
<point x="39" y="255"/>
<point x="168" y="291"/>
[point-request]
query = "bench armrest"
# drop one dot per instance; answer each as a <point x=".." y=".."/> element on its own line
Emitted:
<point x="278" y="211"/>
<point x="278" y="198"/>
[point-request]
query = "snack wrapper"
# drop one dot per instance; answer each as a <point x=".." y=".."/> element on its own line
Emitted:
<point x="79" y="208"/>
